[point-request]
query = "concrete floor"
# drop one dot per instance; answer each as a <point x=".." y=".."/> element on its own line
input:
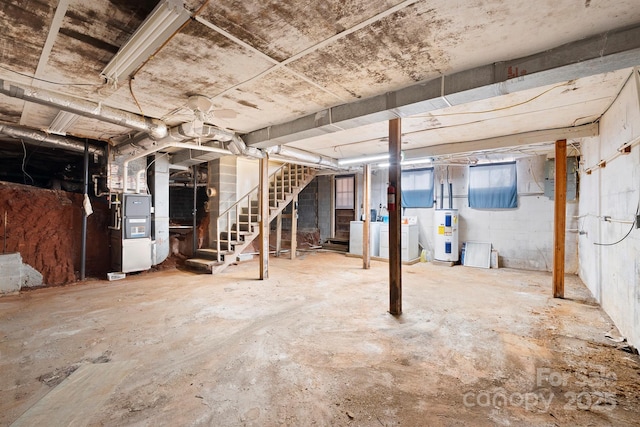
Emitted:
<point x="314" y="345"/>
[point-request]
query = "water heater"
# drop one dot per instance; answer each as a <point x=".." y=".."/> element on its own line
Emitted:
<point x="446" y="239"/>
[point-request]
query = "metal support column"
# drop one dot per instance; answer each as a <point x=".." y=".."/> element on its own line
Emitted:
<point x="83" y="253"/>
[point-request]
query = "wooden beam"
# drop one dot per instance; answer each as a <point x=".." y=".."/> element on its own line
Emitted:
<point x="395" y="220"/>
<point x="263" y="196"/>
<point x="366" y="225"/>
<point x="560" y="217"/>
<point x="278" y="234"/>
<point x="294" y="226"/>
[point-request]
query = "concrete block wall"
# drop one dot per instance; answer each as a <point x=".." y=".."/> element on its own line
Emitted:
<point x="308" y="207"/>
<point x="612" y="272"/>
<point x="523" y="236"/>
<point x="15" y="275"/>
<point x="324" y="206"/>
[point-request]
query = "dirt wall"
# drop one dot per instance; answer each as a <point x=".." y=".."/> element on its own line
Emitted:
<point x="45" y="227"/>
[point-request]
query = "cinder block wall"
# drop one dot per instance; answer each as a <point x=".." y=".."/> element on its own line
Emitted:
<point x="612" y="272"/>
<point x="523" y="236"/>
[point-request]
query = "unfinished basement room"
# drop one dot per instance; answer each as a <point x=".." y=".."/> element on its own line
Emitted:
<point x="338" y="213"/>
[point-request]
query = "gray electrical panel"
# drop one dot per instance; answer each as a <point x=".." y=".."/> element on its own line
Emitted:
<point x="572" y="178"/>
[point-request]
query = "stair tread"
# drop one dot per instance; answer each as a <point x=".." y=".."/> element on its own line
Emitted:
<point x="203" y="262"/>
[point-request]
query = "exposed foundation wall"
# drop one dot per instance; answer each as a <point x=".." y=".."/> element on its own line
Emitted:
<point x="523" y="236"/>
<point x="44" y="226"/>
<point x="612" y="272"/>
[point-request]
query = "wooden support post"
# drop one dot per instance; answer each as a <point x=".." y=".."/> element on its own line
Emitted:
<point x="395" y="219"/>
<point x="294" y="226"/>
<point x="278" y="234"/>
<point x="366" y="225"/>
<point x="263" y="196"/>
<point x="560" y="217"/>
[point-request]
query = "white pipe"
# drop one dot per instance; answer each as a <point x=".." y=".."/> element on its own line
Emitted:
<point x="139" y="180"/>
<point x="156" y="128"/>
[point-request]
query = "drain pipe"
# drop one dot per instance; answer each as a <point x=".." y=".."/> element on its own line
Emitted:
<point x="305" y="156"/>
<point x="154" y="127"/>
<point x="195" y="210"/>
<point x="54" y="141"/>
<point x="83" y="253"/>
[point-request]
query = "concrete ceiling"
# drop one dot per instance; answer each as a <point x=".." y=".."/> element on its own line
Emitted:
<point x="326" y="76"/>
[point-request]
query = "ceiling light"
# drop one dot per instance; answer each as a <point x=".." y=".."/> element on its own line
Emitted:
<point x="62" y="123"/>
<point x="363" y="159"/>
<point x="408" y="162"/>
<point x="160" y="25"/>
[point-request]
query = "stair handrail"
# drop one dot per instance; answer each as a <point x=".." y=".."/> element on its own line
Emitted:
<point x="236" y="205"/>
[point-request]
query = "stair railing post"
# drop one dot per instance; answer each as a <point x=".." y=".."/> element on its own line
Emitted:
<point x="289" y="171"/>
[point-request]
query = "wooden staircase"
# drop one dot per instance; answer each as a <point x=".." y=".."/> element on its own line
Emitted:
<point x="238" y="225"/>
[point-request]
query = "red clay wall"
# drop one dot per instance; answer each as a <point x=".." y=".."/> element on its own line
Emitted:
<point x="45" y="226"/>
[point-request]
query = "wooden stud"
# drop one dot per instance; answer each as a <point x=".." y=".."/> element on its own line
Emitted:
<point x="294" y="226"/>
<point x="395" y="220"/>
<point x="366" y="225"/>
<point x="560" y="218"/>
<point x="264" y="218"/>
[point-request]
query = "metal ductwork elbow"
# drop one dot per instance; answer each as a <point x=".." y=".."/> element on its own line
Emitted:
<point x="239" y="148"/>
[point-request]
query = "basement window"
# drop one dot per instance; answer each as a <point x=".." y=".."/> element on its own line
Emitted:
<point x="417" y="188"/>
<point x="493" y="186"/>
<point x="345" y="192"/>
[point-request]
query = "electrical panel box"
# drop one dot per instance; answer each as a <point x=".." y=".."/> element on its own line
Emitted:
<point x="572" y="178"/>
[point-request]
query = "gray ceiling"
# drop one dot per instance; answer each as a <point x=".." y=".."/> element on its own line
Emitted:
<point x="326" y="76"/>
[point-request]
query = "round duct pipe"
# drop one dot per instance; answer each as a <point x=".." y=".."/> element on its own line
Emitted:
<point x="304" y="156"/>
<point x="53" y="141"/>
<point x="154" y="127"/>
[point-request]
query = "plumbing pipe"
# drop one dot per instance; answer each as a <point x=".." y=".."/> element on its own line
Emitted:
<point x="195" y="209"/>
<point x="154" y="127"/>
<point x="450" y="195"/>
<point x="442" y="195"/>
<point x="54" y="141"/>
<point x="83" y="250"/>
<point x="139" y="180"/>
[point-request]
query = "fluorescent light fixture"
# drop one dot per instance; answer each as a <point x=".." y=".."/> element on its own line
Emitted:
<point x="62" y="123"/>
<point x="408" y="162"/>
<point x="167" y="17"/>
<point x="363" y="159"/>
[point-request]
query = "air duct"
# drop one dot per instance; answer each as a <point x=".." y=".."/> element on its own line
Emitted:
<point x="53" y="141"/>
<point x="304" y="156"/>
<point x="178" y="134"/>
<point x="239" y="148"/>
<point x="154" y="127"/>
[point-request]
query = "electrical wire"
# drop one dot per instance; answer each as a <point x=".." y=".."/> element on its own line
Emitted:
<point x="493" y="109"/>
<point x="134" y="96"/>
<point x="24" y="158"/>
<point x="49" y="81"/>
<point x="633" y="225"/>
